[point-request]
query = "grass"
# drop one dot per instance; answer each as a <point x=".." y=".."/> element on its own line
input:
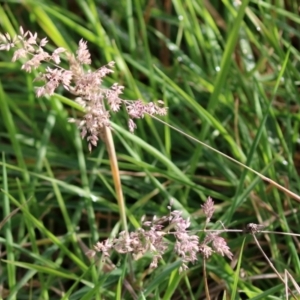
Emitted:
<point x="230" y="77"/>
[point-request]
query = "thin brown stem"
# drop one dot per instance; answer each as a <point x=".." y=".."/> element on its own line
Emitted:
<point x="205" y="279"/>
<point x="272" y="266"/>
<point x="116" y="176"/>
<point x="272" y="182"/>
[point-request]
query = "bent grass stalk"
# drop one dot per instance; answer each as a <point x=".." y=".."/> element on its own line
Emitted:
<point x="265" y="178"/>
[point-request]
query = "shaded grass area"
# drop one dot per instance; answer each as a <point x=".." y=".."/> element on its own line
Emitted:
<point x="218" y="69"/>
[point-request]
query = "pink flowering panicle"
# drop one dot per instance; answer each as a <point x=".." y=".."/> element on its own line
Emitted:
<point x="208" y="209"/>
<point x="85" y="84"/>
<point x="151" y="239"/>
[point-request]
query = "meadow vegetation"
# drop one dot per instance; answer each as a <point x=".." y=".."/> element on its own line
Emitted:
<point x="149" y="149"/>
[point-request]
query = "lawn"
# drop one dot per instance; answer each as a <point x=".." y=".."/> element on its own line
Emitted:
<point x="212" y="88"/>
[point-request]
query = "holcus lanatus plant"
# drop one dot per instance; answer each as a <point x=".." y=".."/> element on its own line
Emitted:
<point x="86" y="86"/>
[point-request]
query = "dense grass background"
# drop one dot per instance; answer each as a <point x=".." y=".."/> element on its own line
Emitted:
<point x="230" y="76"/>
